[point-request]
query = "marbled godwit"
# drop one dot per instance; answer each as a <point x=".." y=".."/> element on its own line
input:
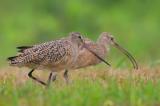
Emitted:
<point x="54" y="55"/>
<point x="101" y="48"/>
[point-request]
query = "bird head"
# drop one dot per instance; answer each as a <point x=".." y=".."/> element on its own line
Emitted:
<point x="107" y="39"/>
<point x="76" y="38"/>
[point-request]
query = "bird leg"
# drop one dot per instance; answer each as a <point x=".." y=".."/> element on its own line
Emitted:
<point x="66" y="76"/>
<point x="49" y="79"/>
<point x="41" y="82"/>
<point x="54" y="77"/>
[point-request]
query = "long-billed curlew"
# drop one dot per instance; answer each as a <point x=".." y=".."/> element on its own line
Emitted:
<point x="54" y="55"/>
<point x="101" y="48"/>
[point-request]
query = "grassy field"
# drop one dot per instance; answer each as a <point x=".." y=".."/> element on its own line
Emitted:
<point x="92" y="86"/>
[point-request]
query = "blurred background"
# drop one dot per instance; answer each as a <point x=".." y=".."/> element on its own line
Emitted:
<point x="134" y="23"/>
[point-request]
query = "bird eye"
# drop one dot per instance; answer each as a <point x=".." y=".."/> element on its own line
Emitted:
<point x="79" y="37"/>
<point x="112" y="38"/>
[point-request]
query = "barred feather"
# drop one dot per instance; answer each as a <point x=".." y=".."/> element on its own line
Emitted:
<point x="55" y="55"/>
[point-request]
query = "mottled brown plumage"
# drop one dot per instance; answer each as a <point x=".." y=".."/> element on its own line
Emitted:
<point x="54" y="55"/>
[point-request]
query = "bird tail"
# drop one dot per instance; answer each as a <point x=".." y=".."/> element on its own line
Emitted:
<point x="23" y="48"/>
<point x="20" y="59"/>
<point x="15" y="61"/>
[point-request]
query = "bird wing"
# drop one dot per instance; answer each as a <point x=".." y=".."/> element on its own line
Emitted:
<point x="49" y="52"/>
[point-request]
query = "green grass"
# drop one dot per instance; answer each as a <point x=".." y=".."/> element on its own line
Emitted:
<point x="88" y="88"/>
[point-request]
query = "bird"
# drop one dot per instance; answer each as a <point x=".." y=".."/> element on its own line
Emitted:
<point x="55" y="56"/>
<point x="101" y="48"/>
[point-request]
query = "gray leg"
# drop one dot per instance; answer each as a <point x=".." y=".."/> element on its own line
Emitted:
<point x="34" y="78"/>
<point x="66" y="76"/>
<point x="54" y="77"/>
<point x="41" y="82"/>
<point x="49" y="79"/>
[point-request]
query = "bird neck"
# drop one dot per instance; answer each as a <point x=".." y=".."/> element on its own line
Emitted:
<point x="103" y="44"/>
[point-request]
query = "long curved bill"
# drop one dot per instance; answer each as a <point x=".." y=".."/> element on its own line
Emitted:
<point x="96" y="55"/>
<point x="133" y="61"/>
